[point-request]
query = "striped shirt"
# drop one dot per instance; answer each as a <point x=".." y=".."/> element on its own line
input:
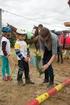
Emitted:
<point x="21" y="49"/>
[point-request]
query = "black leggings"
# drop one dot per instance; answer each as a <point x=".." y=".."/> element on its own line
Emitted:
<point x="49" y="75"/>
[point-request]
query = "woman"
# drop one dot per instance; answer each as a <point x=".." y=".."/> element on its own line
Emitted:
<point x="48" y="41"/>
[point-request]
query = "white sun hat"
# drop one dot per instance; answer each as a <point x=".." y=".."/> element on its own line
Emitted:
<point x="21" y="31"/>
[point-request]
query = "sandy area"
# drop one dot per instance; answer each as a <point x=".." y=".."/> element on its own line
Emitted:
<point x="12" y="94"/>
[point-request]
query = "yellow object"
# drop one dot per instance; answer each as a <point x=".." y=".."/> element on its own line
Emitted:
<point x="42" y="98"/>
<point x="17" y="46"/>
<point x="59" y="87"/>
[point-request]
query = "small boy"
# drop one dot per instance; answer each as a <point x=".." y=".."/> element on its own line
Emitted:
<point x="5" y="52"/>
<point x="22" y="56"/>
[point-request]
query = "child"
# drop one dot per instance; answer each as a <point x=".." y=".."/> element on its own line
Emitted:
<point x="5" y="47"/>
<point x="22" y="56"/>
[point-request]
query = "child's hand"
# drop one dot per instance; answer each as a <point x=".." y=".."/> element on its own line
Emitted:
<point x="27" y="59"/>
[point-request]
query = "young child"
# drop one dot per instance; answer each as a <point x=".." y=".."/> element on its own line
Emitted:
<point x="22" y="56"/>
<point x="5" y="49"/>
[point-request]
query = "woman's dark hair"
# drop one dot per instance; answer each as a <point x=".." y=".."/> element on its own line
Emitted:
<point x="46" y="35"/>
<point x="45" y="32"/>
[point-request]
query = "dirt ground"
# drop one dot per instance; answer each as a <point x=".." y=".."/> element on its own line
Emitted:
<point x="12" y="94"/>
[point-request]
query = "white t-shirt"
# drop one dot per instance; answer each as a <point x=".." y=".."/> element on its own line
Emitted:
<point x="7" y="45"/>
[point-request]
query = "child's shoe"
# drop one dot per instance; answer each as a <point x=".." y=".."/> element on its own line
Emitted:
<point x="9" y="78"/>
<point x="45" y="81"/>
<point x="21" y="83"/>
<point x="29" y="82"/>
<point x="5" y="78"/>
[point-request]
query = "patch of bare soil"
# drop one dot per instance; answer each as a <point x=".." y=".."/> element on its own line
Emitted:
<point x="12" y="94"/>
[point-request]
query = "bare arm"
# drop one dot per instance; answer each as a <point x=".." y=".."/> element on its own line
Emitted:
<point x="32" y="40"/>
<point x="49" y="62"/>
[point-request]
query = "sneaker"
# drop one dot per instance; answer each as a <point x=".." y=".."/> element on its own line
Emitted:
<point x="29" y="82"/>
<point x="45" y="81"/>
<point x="20" y="83"/>
<point x="5" y="78"/>
<point x="9" y="78"/>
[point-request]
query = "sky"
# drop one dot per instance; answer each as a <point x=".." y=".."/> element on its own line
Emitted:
<point x="27" y="13"/>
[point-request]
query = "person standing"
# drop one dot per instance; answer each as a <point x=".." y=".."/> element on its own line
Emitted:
<point x="48" y="41"/>
<point x="22" y="56"/>
<point x="5" y="52"/>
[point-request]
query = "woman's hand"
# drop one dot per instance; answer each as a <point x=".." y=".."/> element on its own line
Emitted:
<point x="45" y="67"/>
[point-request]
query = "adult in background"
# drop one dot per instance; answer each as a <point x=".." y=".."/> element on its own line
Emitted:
<point x="59" y="48"/>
